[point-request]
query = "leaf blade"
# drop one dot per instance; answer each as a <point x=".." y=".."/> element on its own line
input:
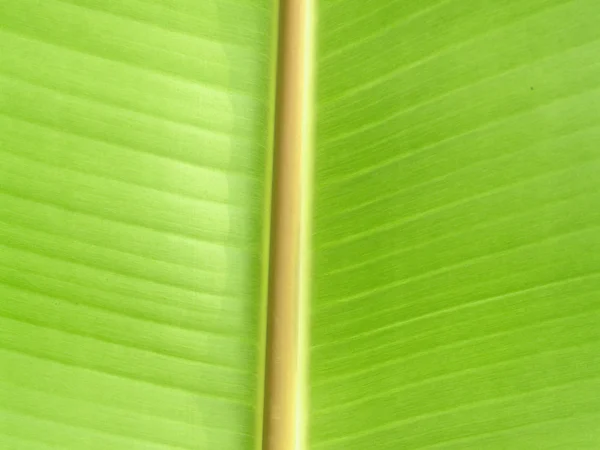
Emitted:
<point x="134" y="152"/>
<point x="456" y="235"/>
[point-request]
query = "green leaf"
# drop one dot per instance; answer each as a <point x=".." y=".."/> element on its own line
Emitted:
<point x="457" y="194"/>
<point x="456" y="283"/>
<point x="134" y="148"/>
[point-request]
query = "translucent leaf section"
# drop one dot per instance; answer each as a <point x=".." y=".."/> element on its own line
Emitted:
<point x="133" y="152"/>
<point x="457" y="205"/>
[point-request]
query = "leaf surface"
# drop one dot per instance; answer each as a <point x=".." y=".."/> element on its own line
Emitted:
<point x="456" y="243"/>
<point x="134" y="148"/>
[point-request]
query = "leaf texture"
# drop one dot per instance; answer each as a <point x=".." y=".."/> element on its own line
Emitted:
<point x="134" y="148"/>
<point x="456" y="243"/>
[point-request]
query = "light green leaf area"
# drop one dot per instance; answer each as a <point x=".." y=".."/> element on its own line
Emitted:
<point x="133" y="152"/>
<point x="456" y="240"/>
